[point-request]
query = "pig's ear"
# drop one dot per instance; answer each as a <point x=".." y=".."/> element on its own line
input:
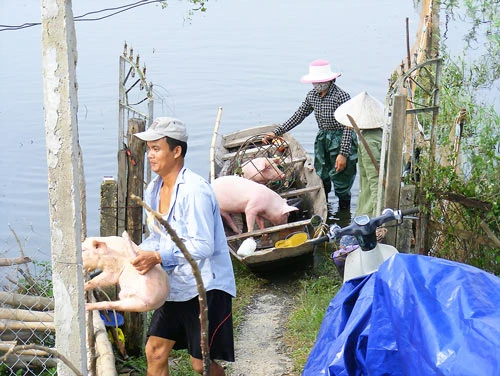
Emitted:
<point x="99" y="246"/>
<point x="288" y="209"/>
<point x="125" y="235"/>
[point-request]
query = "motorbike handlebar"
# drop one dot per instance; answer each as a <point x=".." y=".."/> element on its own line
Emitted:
<point x="364" y="225"/>
<point x="320" y="240"/>
<point x="407" y="212"/>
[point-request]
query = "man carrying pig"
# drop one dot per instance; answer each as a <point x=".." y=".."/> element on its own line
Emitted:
<point x="187" y="202"/>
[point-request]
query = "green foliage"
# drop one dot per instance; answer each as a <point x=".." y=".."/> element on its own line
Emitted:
<point x="315" y="293"/>
<point x="196" y="6"/>
<point x="6" y="371"/>
<point x="481" y="40"/>
<point x="41" y="284"/>
<point x="466" y="199"/>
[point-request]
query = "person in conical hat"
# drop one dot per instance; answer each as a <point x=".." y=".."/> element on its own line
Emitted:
<point x="368" y="114"/>
<point x="335" y="146"/>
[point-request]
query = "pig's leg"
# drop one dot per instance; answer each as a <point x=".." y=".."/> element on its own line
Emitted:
<point x="102" y="280"/>
<point x="260" y="222"/>
<point x="130" y="304"/>
<point x="130" y="246"/>
<point x="251" y="217"/>
<point x="230" y="222"/>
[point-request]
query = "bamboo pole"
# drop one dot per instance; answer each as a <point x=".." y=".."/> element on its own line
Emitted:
<point x="30" y="301"/>
<point x="212" y="146"/>
<point x="25" y="315"/>
<point x="26" y="325"/>
<point x="105" y="359"/>
<point x="365" y="144"/>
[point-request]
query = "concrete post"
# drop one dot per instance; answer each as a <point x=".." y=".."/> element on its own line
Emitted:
<point x="64" y="180"/>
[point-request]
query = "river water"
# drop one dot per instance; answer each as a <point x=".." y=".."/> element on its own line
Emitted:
<point x="244" y="55"/>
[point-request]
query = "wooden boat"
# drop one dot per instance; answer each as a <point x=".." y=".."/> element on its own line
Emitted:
<point x="301" y="186"/>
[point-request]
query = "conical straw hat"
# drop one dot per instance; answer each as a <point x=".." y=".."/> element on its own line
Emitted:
<point x="367" y="112"/>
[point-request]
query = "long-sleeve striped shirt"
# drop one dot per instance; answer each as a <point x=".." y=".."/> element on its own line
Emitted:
<point x="324" y="108"/>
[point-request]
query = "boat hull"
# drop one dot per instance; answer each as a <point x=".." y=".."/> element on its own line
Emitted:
<point x="301" y="185"/>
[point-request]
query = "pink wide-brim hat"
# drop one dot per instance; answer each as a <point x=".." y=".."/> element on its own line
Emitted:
<point x="319" y="71"/>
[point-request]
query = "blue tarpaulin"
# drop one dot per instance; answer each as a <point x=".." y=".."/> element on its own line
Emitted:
<point x="417" y="315"/>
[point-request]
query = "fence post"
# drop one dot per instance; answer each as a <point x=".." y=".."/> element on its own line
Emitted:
<point x="66" y="207"/>
<point x="135" y="323"/>
<point x="395" y="160"/>
<point x="405" y="232"/>
<point x="109" y="202"/>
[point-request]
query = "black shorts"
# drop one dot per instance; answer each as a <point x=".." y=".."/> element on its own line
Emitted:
<point x="180" y="322"/>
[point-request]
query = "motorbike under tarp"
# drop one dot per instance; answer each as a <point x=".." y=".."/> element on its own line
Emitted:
<point x="417" y="315"/>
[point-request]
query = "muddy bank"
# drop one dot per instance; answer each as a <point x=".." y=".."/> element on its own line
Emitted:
<point x="260" y="347"/>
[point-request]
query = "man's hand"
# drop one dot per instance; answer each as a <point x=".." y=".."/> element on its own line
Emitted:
<point x="145" y="261"/>
<point x="268" y="137"/>
<point x="340" y="162"/>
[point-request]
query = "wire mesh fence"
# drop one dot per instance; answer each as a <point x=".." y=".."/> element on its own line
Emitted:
<point x="27" y="330"/>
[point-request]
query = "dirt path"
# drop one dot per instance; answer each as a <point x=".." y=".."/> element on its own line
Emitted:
<point x="259" y="346"/>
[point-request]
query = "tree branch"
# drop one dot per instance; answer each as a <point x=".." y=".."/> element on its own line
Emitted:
<point x="202" y="295"/>
<point x="14" y="261"/>
<point x="53" y="352"/>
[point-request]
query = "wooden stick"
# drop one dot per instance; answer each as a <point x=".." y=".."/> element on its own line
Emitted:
<point x="48" y="350"/>
<point x="202" y="295"/>
<point x="365" y="144"/>
<point x="25" y="315"/>
<point x="105" y="359"/>
<point x="22" y="325"/>
<point x="14" y="261"/>
<point x="212" y="147"/>
<point x="35" y="302"/>
<point x="490" y="233"/>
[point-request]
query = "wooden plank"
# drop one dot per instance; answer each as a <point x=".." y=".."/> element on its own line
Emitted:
<point x="134" y="327"/>
<point x="248" y="152"/>
<point x="238" y="138"/>
<point x="109" y="221"/>
<point x="269" y="230"/>
<point x="301" y="191"/>
<point x="404" y="232"/>
<point x="121" y="191"/>
<point x="395" y="160"/>
<point x="109" y="201"/>
<point x="135" y="178"/>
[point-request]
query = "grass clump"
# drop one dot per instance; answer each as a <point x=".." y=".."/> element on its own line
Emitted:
<point x="316" y="291"/>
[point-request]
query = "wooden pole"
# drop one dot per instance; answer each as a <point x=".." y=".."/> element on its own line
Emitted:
<point x="109" y="203"/>
<point x="404" y="232"/>
<point x="212" y="146"/>
<point x="135" y="178"/>
<point x="121" y="193"/>
<point x="64" y="181"/>
<point x="365" y="144"/>
<point x="395" y="160"/>
<point x="134" y="327"/>
<point x="381" y="177"/>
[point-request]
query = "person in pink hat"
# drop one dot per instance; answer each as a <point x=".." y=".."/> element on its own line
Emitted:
<point x="335" y="146"/>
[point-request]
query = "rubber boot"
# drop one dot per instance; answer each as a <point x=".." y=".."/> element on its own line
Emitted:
<point x="345" y="204"/>
<point x="327" y="186"/>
